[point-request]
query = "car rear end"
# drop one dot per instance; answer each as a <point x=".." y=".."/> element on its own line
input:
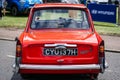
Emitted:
<point x="61" y="57"/>
<point x="60" y="39"/>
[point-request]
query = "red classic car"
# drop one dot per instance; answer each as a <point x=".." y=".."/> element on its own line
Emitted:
<point x="60" y="38"/>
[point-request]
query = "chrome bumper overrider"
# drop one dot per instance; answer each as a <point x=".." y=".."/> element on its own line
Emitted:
<point x="59" y="67"/>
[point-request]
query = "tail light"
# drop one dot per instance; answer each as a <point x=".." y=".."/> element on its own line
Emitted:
<point x="102" y="56"/>
<point x="101" y="49"/>
<point x="18" y="49"/>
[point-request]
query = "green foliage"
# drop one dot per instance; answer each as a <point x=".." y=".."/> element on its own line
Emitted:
<point x="107" y="28"/>
<point x="9" y="21"/>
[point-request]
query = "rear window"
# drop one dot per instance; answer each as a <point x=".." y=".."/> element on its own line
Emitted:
<point x="59" y="18"/>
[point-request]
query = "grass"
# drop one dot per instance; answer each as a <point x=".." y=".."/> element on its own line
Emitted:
<point x="107" y="28"/>
<point x="20" y="22"/>
<point x="16" y="22"/>
<point x="112" y="31"/>
<point x="105" y="24"/>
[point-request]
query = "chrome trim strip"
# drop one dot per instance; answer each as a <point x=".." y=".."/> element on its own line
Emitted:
<point x="60" y="44"/>
<point x="59" y="67"/>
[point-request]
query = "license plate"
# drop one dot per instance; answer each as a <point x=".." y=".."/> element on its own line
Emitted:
<point x="60" y="52"/>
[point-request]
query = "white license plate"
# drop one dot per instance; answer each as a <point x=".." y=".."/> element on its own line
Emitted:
<point x="60" y="52"/>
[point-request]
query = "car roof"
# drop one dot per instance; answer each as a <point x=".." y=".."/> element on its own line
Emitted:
<point x="82" y="6"/>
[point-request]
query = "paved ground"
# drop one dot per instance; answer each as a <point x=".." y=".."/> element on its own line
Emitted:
<point x="9" y="33"/>
<point x="111" y="42"/>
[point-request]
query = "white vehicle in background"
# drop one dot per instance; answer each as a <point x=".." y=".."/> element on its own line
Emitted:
<point x="71" y="1"/>
<point x="99" y="1"/>
<point x="116" y="2"/>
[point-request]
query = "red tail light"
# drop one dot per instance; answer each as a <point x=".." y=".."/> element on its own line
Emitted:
<point x="18" y="49"/>
<point x="101" y="49"/>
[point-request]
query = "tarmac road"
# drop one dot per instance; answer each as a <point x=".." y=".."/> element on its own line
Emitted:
<point x="7" y="53"/>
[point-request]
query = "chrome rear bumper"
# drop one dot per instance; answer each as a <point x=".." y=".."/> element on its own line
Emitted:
<point x="59" y="67"/>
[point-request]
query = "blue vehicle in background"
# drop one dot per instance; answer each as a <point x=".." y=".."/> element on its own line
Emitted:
<point x="21" y="6"/>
